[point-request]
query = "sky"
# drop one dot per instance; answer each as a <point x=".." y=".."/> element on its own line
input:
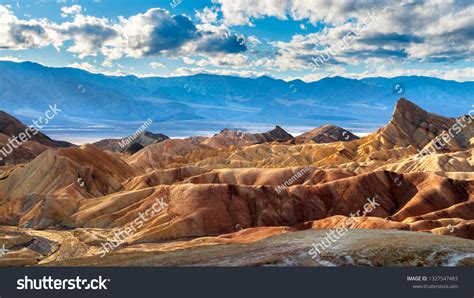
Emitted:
<point x="287" y="39"/>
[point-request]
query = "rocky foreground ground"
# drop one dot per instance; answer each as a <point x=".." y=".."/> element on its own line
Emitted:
<point x="240" y="199"/>
<point x="252" y="247"/>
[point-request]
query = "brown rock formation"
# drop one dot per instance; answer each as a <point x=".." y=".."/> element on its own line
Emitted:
<point x="147" y="138"/>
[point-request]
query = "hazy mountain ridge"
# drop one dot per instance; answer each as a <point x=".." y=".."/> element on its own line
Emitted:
<point x="207" y="101"/>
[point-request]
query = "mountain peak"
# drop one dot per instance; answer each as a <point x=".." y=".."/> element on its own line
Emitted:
<point x="135" y="144"/>
<point x="403" y="105"/>
<point x="276" y="134"/>
<point x="278" y="128"/>
<point x="411" y="125"/>
<point x="329" y="133"/>
<point x="407" y="113"/>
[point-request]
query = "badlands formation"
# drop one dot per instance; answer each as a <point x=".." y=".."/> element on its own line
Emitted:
<point x="243" y="199"/>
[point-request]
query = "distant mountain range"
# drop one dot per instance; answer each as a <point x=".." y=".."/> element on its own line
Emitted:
<point x="99" y="106"/>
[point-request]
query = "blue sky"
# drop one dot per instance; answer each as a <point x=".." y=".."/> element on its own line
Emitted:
<point x="288" y="39"/>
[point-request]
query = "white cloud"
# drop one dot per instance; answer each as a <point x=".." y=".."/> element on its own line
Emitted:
<point x="12" y="59"/>
<point x="153" y="33"/>
<point x="264" y="62"/>
<point x="241" y="12"/>
<point x="459" y="74"/>
<point x="107" y="63"/>
<point x="156" y="65"/>
<point x="189" y="61"/>
<point x="244" y="11"/>
<point x="226" y="60"/>
<point x="254" y="40"/>
<point x="207" y="15"/>
<point x="410" y="32"/>
<point x="241" y="73"/>
<point x="18" y="34"/>
<point x="93" y="69"/>
<point x="84" y="66"/>
<point x="390" y="34"/>
<point x="434" y="30"/>
<point x="91" y="36"/>
<point x="70" y="10"/>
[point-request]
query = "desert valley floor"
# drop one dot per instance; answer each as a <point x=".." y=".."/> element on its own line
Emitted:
<point x="242" y="199"/>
